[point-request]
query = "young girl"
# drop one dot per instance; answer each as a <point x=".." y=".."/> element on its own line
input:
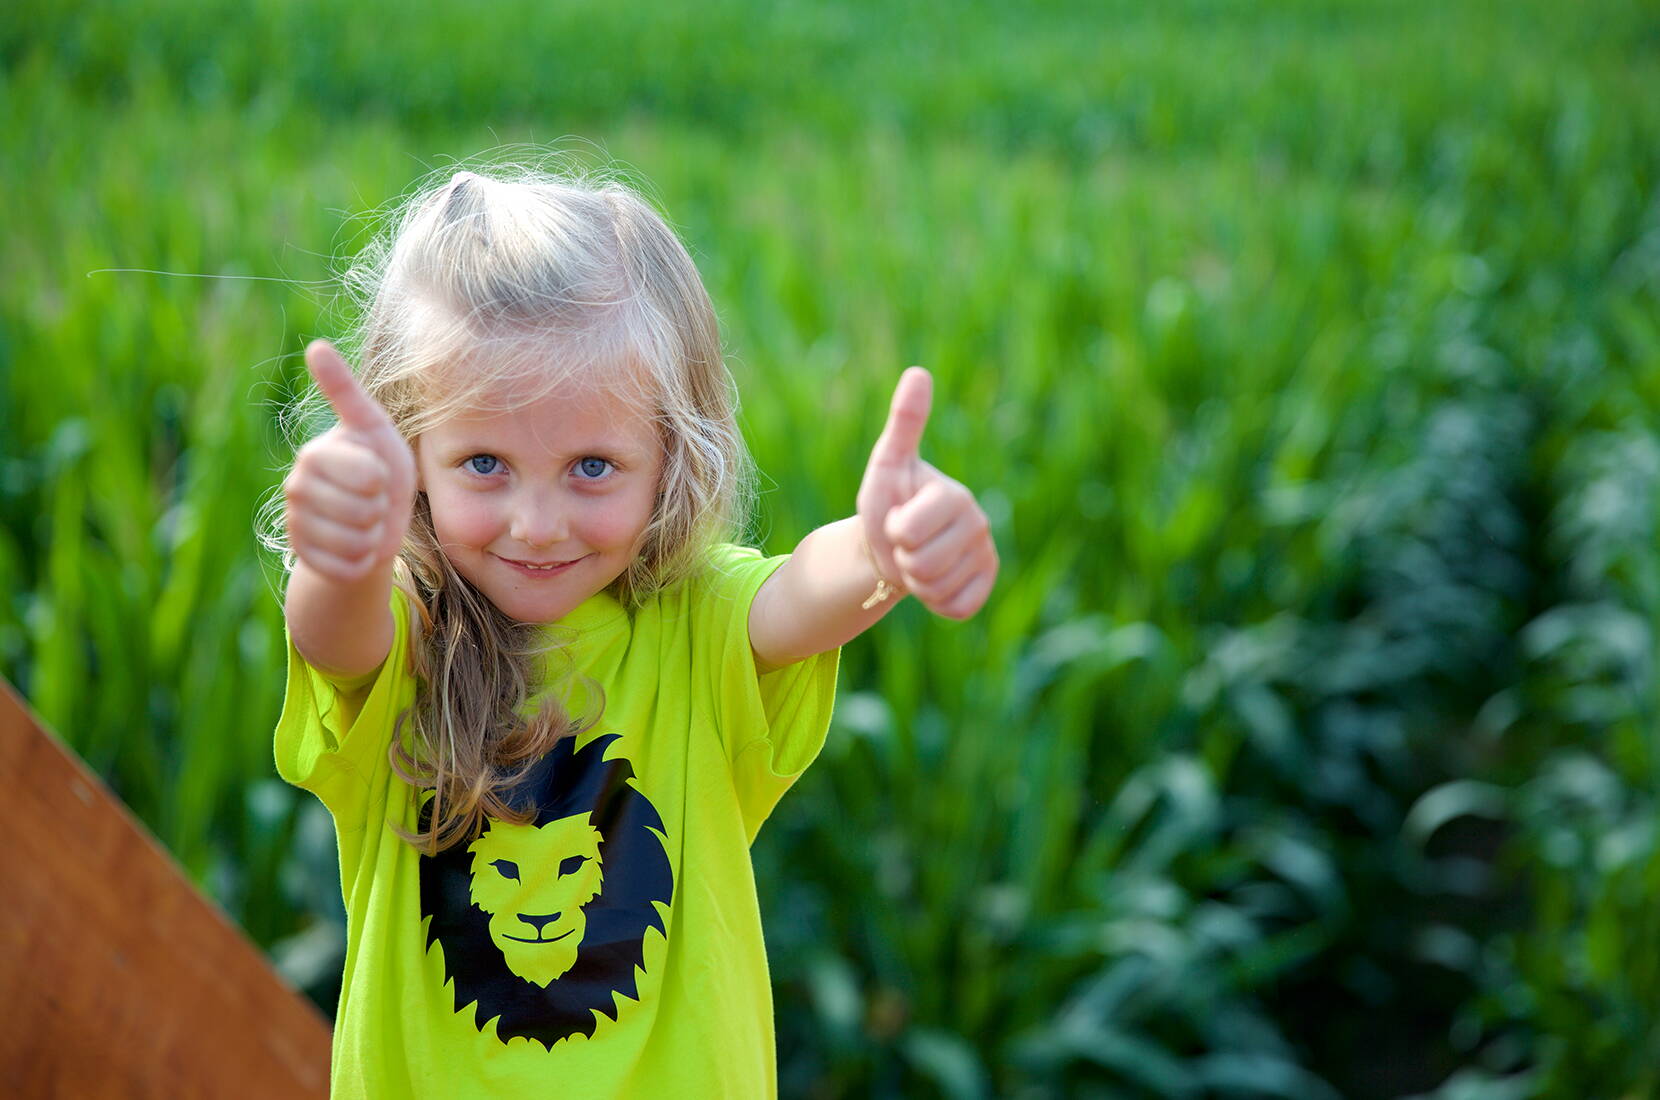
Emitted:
<point x="547" y="702"/>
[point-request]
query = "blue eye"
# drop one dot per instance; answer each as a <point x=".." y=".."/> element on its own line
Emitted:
<point x="490" y="462"/>
<point x="593" y="467"/>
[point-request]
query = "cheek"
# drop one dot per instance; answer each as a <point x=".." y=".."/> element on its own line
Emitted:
<point x="464" y="518"/>
<point x="588" y="883"/>
<point x="617" y="523"/>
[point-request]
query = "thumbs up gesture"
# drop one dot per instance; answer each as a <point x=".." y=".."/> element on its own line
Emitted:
<point x="926" y="533"/>
<point x="349" y="497"/>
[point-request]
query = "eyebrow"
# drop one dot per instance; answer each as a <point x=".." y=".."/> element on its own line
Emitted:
<point x="473" y="445"/>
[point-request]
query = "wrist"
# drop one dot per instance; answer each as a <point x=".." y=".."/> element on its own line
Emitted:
<point x="885" y="589"/>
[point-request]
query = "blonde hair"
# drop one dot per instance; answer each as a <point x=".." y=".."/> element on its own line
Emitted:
<point x="463" y="296"/>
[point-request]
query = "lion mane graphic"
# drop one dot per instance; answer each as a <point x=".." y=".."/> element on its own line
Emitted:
<point x="542" y="924"/>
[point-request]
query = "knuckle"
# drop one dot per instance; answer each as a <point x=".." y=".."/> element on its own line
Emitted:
<point x="369" y="467"/>
<point x="346" y="570"/>
<point x="926" y="572"/>
<point x="365" y="534"/>
<point x="358" y="470"/>
<point x="322" y="446"/>
<point x="350" y="566"/>
<point x="322" y="460"/>
<point x="296" y="520"/>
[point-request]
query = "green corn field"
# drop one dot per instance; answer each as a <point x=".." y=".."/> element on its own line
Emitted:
<point x="1305" y="355"/>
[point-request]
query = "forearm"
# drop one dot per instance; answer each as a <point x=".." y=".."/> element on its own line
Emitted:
<point x="342" y="629"/>
<point x="814" y="602"/>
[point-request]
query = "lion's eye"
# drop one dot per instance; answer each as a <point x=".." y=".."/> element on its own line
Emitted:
<point x="569" y="865"/>
<point x="507" y="867"/>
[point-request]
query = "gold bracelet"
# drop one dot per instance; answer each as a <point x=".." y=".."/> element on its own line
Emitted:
<point x="883" y="588"/>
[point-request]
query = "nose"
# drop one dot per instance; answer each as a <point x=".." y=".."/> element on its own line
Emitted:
<point x="538" y="521"/>
<point x="539" y="923"/>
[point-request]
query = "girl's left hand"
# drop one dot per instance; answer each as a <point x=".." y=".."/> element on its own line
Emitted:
<point x="925" y="530"/>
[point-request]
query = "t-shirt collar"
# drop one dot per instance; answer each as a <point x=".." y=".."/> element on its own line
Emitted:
<point x="598" y="612"/>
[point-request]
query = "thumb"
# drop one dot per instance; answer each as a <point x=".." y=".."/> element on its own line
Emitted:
<point x="354" y="407"/>
<point x="907" y="417"/>
<point x="892" y="470"/>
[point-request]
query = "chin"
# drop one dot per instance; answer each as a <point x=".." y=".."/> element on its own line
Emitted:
<point x="538" y="610"/>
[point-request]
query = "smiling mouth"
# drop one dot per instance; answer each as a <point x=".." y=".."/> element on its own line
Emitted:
<point x="548" y="567"/>
<point x="555" y="939"/>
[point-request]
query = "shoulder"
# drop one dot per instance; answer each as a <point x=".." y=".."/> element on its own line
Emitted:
<point x="730" y="559"/>
<point x="713" y="597"/>
<point x="731" y="571"/>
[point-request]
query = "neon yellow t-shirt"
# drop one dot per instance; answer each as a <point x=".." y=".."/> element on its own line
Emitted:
<point x="613" y="947"/>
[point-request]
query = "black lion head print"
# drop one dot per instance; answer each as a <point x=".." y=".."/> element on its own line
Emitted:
<point x="542" y="924"/>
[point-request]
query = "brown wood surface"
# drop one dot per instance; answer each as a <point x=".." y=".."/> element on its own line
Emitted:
<point x="119" y="978"/>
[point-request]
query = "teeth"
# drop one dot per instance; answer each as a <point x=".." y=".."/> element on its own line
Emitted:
<point x="548" y="568"/>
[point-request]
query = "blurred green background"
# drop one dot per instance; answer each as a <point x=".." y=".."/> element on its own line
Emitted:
<point x="1305" y="353"/>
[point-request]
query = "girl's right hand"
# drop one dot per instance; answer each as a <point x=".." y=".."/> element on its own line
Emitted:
<point x="349" y="498"/>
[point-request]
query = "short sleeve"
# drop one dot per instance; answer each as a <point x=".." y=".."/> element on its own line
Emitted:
<point x="773" y="724"/>
<point x="332" y="737"/>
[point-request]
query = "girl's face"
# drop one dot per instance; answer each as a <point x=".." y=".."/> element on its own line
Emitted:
<point x="544" y="505"/>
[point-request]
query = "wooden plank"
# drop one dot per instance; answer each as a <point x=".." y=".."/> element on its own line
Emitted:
<point x="119" y="977"/>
